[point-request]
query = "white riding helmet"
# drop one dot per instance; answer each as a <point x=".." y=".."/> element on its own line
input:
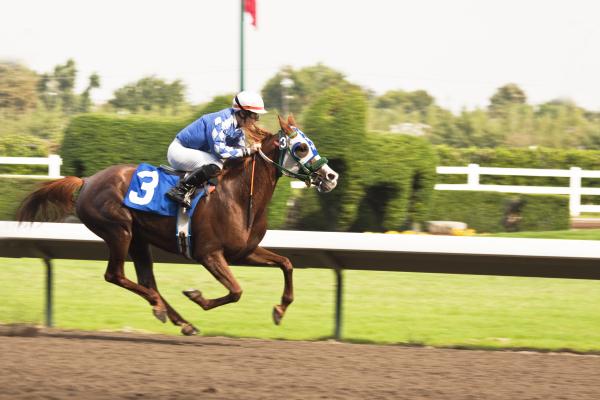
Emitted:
<point x="249" y="101"/>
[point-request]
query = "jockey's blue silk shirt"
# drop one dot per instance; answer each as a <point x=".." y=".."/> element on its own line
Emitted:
<point x="215" y="133"/>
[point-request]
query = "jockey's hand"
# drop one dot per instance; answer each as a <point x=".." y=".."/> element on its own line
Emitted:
<point x="254" y="147"/>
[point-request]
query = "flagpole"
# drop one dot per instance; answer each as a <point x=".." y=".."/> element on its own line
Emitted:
<point x="242" y="44"/>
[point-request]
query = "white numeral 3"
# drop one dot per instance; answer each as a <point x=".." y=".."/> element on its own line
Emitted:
<point x="147" y="187"/>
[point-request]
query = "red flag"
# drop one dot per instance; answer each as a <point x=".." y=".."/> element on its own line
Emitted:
<point x="250" y="8"/>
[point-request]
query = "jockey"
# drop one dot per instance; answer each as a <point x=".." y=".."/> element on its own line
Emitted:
<point x="203" y="146"/>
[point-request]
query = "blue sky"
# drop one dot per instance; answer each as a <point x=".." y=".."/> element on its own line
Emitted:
<point x="460" y="51"/>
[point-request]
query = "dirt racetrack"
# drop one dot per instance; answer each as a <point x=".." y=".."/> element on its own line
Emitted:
<point x="54" y="364"/>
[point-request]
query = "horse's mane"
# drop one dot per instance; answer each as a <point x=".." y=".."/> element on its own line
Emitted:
<point x="257" y="134"/>
<point x="254" y="134"/>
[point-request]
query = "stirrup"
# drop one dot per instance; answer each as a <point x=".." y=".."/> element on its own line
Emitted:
<point x="187" y="199"/>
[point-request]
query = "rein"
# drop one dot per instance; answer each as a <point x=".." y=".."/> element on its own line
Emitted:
<point x="306" y="177"/>
<point x="250" y="214"/>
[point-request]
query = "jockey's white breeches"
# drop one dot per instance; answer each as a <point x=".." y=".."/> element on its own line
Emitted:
<point x="185" y="159"/>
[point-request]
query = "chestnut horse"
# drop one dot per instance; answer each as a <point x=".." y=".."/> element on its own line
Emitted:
<point x="224" y="229"/>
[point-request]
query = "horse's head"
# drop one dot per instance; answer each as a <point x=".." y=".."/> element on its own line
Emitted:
<point x="299" y="156"/>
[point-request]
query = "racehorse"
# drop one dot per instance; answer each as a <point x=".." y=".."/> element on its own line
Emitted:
<point x="225" y="229"/>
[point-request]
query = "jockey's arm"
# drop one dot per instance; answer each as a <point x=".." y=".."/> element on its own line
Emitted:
<point x="223" y="151"/>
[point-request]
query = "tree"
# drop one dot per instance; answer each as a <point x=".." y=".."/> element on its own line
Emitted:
<point x="17" y="88"/>
<point x="85" y="101"/>
<point x="216" y="104"/>
<point x="57" y="89"/>
<point x="409" y="102"/>
<point x="505" y="96"/>
<point x="65" y="76"/>
<point x="479" y="130"/>
<point x="149" y="93"/>
<point x="291" y="90"/>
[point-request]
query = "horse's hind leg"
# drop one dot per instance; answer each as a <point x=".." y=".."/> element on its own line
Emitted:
<point x="118" y="238"/>
<point x="262" y="256"/>
<point x="217" y="265"/>
<point x="142" y="260"/>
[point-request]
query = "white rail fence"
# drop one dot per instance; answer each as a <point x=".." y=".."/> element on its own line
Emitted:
<point x="473" y="172"/>
<point x="574" y="190"/>
<point x="53" y="162"/>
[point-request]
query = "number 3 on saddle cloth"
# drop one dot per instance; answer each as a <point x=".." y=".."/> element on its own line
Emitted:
<point x="147" y="192"/>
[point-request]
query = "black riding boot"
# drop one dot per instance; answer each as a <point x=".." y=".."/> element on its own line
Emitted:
<point x="184" y="190"/>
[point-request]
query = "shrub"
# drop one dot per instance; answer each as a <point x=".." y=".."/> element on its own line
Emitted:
<point x="14" y="191"/>
<point x="385" y="179"/>
<point x="501" y="212"/>
<point x="93" y="142"/>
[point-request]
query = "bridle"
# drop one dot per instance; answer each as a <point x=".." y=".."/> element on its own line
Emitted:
<point x="309" y="168"/>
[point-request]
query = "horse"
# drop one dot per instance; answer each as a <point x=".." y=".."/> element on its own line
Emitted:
<point x="225" y="229"/>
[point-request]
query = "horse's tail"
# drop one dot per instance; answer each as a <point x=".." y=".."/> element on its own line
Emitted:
<point x="51" y="202"/>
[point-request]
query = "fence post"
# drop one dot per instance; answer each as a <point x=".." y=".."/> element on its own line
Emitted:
<point x="337" y="333"/>
<point x="575" y="191"/>
<point x="54" y="163"/>
<point x="49" y="292"/>
<point x="473" y="175"/>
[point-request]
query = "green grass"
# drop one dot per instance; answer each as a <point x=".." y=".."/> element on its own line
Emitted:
<point x="573" y="234"/>
<point x="589" y="215"/>
<point x="381" y="307"/>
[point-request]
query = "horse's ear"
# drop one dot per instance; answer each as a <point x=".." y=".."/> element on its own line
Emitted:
<point x="291" y="120"/>
<point x="284" y="125"/>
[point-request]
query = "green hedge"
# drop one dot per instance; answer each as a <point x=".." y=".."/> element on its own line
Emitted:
<point x="13" y="192"/>
<point x="488" y="211"/>
<point x="385" y="180"/>
<point x="278" y="207"/>
<point x="93" y="142"/>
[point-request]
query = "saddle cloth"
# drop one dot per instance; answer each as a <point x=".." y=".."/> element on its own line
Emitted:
<point x="148" y="188"/>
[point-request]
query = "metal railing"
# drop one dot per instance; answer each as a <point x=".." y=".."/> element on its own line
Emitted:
<point x="549" y="258"/>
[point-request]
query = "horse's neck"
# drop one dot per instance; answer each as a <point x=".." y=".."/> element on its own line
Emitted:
<point x="265" y="178"/>
<point x="262" y="181"/>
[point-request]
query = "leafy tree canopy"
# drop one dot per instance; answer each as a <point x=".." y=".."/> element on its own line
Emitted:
<point x="505" y="96"/>
<point x="291" y="90"/>
<point x="17" y="88"/>
<point x="57" y="89"/>
<point x="149" y="93"/>
<point x="409" y="102"/>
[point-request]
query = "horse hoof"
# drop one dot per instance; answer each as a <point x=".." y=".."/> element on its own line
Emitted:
<point x="160" y="314"/>
<point x="189" y="330"/>
<point x="277" y="314"/>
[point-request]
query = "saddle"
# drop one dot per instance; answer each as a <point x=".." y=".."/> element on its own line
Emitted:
<point x="209" y="186"/>
<point x="184" y="222"/>
<point x="172" y="171"/>
<point x="147" y="192"/>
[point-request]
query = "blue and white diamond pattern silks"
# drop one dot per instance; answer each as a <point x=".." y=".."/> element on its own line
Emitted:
<point x="228" y="141"/>
<point x="215" y="133"/>
<point x="148" y="188"/>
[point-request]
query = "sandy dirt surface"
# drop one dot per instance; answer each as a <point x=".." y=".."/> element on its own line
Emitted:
<point x="55" y="364"/>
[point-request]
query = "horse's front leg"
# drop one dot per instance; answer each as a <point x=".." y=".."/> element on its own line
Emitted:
<point x="262" y="256"/>
<point x="216" y="264"/>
